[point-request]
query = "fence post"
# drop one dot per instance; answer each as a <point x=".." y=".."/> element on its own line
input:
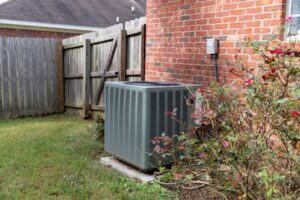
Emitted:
<point x="143" y="52"/>
<point x="60" y="77"/>
<point x="123" y="55"/>
<point x="86" y="78"/>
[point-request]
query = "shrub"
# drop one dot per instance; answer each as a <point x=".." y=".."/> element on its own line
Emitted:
<point x="246" y="135"/>
<point x="99" y="127"/>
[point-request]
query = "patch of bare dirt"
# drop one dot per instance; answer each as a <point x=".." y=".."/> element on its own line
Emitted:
<point x="205" y="193"/>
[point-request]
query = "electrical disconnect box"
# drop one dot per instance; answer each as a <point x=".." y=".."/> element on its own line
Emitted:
<point x="212" y="46"/>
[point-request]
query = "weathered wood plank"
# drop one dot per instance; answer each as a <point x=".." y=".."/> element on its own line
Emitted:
<point x="143" y="51"/>
<point x="77" y="106"/>
<point x="1" y="80"/>
<point x="54" y="83"/>
<point x="73" y="46"/>
<point x="103" y="39"/>
<point x="133" y="72"/>
<point x="97" y="108"/>
<point x="109" y="74"/>
<point x="60" y="77"/>
<point x="94" y="75"/>
<point x="13" y="44"/>
<point x="134" y="31"/>
<point x="86" y="78"/>
<point x="73" y="76"/>
<point x="5" y="79"/>
<point x="123" y="55"/>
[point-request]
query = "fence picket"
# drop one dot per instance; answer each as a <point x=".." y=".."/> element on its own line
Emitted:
<point x="86" y="77"/>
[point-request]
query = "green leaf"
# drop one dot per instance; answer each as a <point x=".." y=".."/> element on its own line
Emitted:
<point x="297" y="93"/>
<point x="251" y="91"/>
<point x="278" y="177"/>
<point x="284" y="100"/>
<point x="189" y="176"/>
<point x="292" y="104"/>
<point x="264" y="174"/>
<point x="181" y="137"/>
<point x="270" y="193"/>
<point x="162" y="169"/>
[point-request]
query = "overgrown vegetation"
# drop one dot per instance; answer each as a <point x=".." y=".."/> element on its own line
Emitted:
<point x="99" y="128"/>
<point x="57" y="158"/>
<point x="245" y="142"/>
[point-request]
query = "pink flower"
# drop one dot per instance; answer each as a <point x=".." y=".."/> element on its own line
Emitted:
<point x="178" y="175"/>
<point x="276" y="51"/>
<point x="289" y="19"/>
<point x="292" y="54"/>
<point x="203" y="156"/>
<point x="171" y="114"/>
<point x="157" y="149"/>
<point x="225" y="144"/>
<point x="295" y="114"/>
<point x="237" y="179"/>
<point x="248" y="82"/>
<point x="181" y="146"/>
<point x="194" y="115"/>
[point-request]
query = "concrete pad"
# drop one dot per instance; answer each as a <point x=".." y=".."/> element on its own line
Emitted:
<point x="126" y="170"/>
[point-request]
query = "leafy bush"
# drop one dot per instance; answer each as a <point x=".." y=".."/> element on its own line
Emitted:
<point x="246" y="137"/>
<point x="99" y="127"/>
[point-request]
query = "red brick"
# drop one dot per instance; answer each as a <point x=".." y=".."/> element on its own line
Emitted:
<point x="245" y="31"/>
<point x="263" y="2"/>
<point x="215" y="20"/>
<point x="272" y="23"/>
<point x="245" y="18"/>
<point x="221" y="26"/>
<point x="238" y="12"/>
<point x="263" y="16"/>
<point x="230" y="19"/>
<point x="253" y="24"/>
<point x="230" y="6"/>
<point x="237" y="25"/>
<point x="254" y="10"/>
<point x="176" y="48"/>
<point x="246" y="4"/>
<point x="272" y="8"/>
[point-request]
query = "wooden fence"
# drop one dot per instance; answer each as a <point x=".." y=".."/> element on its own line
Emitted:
<point x="116" y="53"/>
<point x="28" y="77"/>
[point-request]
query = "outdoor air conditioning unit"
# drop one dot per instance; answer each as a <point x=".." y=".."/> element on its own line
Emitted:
<point x="135" y="113"/>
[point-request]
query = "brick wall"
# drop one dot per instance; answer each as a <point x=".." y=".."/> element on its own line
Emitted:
<point x="177" y="31"/>
<point x="10" y="32"/>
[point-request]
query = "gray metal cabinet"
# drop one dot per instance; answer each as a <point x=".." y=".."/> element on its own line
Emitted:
<point x="135" y="113"/>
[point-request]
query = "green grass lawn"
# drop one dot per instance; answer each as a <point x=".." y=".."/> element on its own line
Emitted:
<point x="57" y="158"/>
